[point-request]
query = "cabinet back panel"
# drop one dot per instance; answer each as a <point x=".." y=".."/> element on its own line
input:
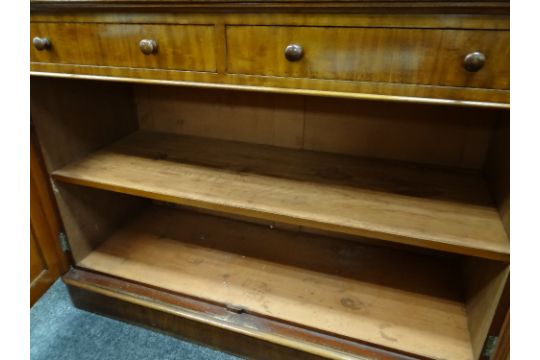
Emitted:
<point x="450" y="136"/>
<point x="271" y="119"/>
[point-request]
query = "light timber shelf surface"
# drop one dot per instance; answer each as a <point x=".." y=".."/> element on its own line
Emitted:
<point x="405" y="203"/>
<point x="408" y="301"/>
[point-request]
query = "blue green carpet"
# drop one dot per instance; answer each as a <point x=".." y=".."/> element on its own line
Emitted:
<point x="59" y="331"/>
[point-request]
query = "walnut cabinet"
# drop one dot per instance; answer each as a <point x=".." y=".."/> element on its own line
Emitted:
<point x="284" y="180"/>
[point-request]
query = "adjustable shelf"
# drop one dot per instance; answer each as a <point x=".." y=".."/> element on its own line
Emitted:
<point x="429" y="207"/>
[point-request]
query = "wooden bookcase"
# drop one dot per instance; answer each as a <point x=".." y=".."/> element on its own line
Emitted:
<point x="336" y="218"/>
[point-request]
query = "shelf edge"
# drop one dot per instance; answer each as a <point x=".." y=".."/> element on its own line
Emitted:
<point x="262" y="215"/>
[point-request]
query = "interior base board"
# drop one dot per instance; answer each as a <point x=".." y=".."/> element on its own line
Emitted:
<point x="212" y="325"/>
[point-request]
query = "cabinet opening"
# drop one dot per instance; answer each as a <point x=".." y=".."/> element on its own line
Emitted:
<point x="423" y="303"/>
<point x="367" y="169"/>
<point x="382" y="223"/>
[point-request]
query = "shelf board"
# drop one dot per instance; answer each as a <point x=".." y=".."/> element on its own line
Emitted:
<point x="405" y="203"/>
<point x="403" y="300"/>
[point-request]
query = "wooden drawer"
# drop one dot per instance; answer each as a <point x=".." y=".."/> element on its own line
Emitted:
<point x="179" y="47"/>
<point x="388" y="55"/>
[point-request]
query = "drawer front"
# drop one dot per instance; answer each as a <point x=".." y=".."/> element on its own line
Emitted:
<point x="390" y="55"/>
<point x="179" y="47"/>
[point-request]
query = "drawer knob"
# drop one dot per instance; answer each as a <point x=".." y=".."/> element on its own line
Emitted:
<point x="474" y="61"/>
<point x="41" y="43"/>
<point x="148" y="47"/>
<point x="294" y="52"/>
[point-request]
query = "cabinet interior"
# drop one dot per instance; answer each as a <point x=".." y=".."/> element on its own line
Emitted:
<point x="378" y="222"/>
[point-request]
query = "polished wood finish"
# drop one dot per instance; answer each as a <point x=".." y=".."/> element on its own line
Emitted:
<point x="387" y="201"/>
<point x="483" y="6"/>
<point x="366" y="293"/>
<point x="436" y="20"/>
<point x="394" y="55"/>
<point x="47" y="261"/>
<point x="181" y="47"/>
<point x="422" y="78"/>
<point x="400" y="93"/>
<point x="211" y="324"/>
<point x="294" y="226"/>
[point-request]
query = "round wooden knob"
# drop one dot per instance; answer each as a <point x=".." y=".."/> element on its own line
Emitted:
<point x="474" y="61"/>
<point x="294" y="52"/>
<point x="148" y="47"/>
<point x="41" y="43"/>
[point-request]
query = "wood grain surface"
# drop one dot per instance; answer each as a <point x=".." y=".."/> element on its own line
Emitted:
<point x="430" y="134"/>
<point x="390" y="201"/>
<point x="418" y="56"/>
<point x="404" y="301"/>
<point x="482" y="6"/>
<point x="180" y="47"/>
<point x="395" y="55"/>
<point x="47" y="260"/>
<point x="247" y="335"/>
<point x="400" y="175"/>
<point x="485" y="283"/>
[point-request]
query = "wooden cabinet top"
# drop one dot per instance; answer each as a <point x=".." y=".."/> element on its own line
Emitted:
<point x="367" y="5"/>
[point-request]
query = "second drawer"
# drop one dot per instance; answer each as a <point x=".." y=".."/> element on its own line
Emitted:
<point x="391" y="55"/>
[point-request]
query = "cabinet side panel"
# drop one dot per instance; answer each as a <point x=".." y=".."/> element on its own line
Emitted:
<point x="47" y="261"/>
<point x="486" y="280"/>
<point x="91" y="216"/>
<point x="503" y="346"/>
<point x="73" y="118"/>
<point x="497" y="168"/>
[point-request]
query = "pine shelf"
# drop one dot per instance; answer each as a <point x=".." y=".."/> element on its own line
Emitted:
<point x="419" y="205"/>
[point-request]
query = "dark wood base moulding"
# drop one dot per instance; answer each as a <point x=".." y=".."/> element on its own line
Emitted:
<point x="215" y="325"/>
